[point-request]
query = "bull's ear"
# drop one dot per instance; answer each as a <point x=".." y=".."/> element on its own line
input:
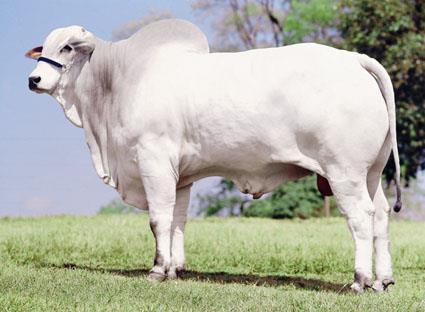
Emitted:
<point x="85" y="47"/>
<point x="34" y="53"/>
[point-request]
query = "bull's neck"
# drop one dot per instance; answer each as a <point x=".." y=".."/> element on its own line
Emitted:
<point x="90" y="97"/>
<point x="95" y="84"/>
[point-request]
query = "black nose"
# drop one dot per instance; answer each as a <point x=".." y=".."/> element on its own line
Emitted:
<point x="32" y="82"/>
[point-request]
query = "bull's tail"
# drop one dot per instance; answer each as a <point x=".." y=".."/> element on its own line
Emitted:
<point x="384" y="82"/>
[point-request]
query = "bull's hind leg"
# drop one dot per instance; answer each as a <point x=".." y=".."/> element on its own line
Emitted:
<point x="354" y="202"/>
<point x="177" y="232"/>
<point x="383" y="268"/>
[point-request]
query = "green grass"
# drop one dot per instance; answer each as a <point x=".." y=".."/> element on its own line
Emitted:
<point x="100" y="263"/>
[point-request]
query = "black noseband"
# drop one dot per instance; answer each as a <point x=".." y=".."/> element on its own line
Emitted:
<point x="51" y="62"/>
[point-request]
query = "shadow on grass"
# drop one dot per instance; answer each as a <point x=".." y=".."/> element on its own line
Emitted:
<point x="225" y="278"/>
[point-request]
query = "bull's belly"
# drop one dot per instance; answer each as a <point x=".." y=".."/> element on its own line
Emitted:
<point x="267" y="179"/>
<point x="256" y="182"/>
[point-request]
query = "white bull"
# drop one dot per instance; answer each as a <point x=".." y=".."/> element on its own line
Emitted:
<point x="160" y="112"/>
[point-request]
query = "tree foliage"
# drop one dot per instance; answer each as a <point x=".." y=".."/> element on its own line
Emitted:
<point x="393" y="32"/>
<point x="311" y="21"/>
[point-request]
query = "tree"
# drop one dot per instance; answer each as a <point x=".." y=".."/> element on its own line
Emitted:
<point x="393" y="32"/>
<point x="247" y="24"/>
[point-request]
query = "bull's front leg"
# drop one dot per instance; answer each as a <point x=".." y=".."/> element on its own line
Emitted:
<point x="177" y="232"/>
<point x="161" y="195"/>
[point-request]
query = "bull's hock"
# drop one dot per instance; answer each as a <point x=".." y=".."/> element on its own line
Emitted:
<point x="160" y="111"/>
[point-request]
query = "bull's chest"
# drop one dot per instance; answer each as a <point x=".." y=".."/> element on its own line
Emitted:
<point x="115" y="160"/>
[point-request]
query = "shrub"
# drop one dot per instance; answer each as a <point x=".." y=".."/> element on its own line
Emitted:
<point x="117" y="206"/>
<point x="297" y="199"/>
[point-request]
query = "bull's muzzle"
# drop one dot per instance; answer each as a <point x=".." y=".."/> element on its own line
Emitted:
<point x="33" y="81"/>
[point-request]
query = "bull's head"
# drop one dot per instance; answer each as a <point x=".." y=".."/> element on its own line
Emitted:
<point x="60" y="61"/>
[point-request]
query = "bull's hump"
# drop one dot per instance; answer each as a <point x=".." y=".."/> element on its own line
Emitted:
<point x="176" y="32"/>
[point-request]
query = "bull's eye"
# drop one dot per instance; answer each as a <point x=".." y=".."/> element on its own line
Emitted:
<point x="66" y="48"/>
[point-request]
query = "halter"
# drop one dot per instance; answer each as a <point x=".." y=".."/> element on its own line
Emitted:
<point x="50" y="61"/>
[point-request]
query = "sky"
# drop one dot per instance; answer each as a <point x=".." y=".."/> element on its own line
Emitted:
<point x="45" y="165"/>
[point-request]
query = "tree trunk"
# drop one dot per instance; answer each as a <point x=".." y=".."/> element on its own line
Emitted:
<point x="327" y="206"/>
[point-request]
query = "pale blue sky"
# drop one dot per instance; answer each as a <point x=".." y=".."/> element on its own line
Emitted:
<point x="45" y="167"/>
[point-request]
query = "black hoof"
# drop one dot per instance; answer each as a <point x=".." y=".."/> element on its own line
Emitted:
<point x="176" y="273"/>
<point x="381" y="286"/>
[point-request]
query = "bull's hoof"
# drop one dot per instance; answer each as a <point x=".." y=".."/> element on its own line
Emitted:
<point x="361" y="282"/>
<point x="357" y="288"/>
<point x="175" y="273"/>
<point x="382" y="285"/>
<point x="156" y="276"/>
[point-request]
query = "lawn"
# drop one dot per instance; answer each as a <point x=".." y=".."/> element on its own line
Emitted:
<point x="235" y="264"/>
